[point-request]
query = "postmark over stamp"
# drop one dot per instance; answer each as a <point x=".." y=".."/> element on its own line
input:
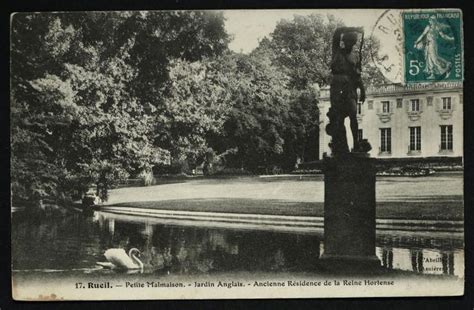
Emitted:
<point x="432" y="46"/>
<point x="388" y="58"/>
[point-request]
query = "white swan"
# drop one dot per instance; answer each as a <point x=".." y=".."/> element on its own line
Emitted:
<point x="118" y="259"/>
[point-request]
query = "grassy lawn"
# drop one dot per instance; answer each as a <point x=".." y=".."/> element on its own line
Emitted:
<point x="386" y="210"/>
<point x="436" y="197"/>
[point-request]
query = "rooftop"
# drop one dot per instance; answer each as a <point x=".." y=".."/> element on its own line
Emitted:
<point x="399" y="89"/>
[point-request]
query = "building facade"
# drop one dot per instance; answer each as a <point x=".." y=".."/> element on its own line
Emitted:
<point x="424" y="120"/>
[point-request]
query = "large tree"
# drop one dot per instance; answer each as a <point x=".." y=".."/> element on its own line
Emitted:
<point x="259" y="105"/>
<point x="302" y="48"/>
<point x="196" y="102"/>
<point x="88" y="91"/>
<point x="73" y="103"/>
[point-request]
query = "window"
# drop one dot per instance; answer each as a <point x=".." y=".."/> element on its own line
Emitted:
<point x="399" y="103"/>
<point x="415" y="105"/>
<point x="386" y="140"/>
<point x="447" y="137"/>
<point x="360" y="135"/>
<point x="359" y="108"/>
<point x="446" y="103"/>
<point x="386" y="106"/>
<point x="415" y="138"/>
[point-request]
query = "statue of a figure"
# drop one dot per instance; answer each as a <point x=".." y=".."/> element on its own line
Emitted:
<point x="346" y="80"/>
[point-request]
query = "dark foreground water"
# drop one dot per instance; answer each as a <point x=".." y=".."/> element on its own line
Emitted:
<point x="74" y="243"/>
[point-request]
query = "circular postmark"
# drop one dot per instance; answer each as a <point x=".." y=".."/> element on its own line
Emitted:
<point x="388" y="33"/>
<point x="419" y="46"/>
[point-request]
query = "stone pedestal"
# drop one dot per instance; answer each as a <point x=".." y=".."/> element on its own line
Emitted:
<point x="349" y="212"/>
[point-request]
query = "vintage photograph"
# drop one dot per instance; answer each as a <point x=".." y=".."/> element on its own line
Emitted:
<point x="214" y="154"/>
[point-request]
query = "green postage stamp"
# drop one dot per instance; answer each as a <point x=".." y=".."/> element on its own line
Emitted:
<point x="433" y="46"/>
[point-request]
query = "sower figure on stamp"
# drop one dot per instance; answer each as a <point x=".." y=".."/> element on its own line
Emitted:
<point x="428" y="41"/>
<point x="346" y="79"/>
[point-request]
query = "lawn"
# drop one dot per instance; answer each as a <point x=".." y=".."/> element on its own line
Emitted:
<point x="433" y="197"/>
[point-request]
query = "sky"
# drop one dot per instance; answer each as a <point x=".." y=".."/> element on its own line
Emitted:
<point x="250" y="26"/>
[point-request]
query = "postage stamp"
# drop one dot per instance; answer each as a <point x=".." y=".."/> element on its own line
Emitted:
<point x="433" y="46"/>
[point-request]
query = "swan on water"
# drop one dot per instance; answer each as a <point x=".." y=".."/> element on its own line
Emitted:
<point x="118" y="259"/>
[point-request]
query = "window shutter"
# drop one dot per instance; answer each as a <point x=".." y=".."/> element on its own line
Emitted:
<point x="438" y="103"/>
<point x="399" y="102"/>
<point x="429" y="101"/>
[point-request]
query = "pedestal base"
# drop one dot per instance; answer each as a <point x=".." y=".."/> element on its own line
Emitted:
<point x="349" y="212"/>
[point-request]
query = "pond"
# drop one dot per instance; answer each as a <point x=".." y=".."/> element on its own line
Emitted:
<point x="75" y="243"/>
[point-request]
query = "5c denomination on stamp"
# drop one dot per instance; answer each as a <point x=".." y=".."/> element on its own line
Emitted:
<point x="432" y="46"/>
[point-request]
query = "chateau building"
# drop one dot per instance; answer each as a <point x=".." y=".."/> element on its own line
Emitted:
<point x="423" y="120"/>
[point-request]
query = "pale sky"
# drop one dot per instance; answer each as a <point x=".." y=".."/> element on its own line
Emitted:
<point x="250" y="26"/>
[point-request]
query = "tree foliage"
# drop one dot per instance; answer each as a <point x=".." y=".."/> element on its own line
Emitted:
<point x="258" y="110"/>
<point x="195" y="104"/>
<point x="302" y="48"/>
<point x="88" y="91"/>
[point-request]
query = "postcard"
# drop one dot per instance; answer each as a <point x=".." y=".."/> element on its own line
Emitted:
<point x="214" y="154"/>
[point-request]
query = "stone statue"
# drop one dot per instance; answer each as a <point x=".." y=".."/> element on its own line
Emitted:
<point x="346" y="80"/>
<point x="349" y="177"/>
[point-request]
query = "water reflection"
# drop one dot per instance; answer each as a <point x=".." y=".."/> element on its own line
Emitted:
<point x="427" y="261"/>
<point x="77" y="243"/>
<point x="387" y="258"/>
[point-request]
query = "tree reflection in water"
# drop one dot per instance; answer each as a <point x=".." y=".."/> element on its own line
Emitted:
<point x="75" y="242"/>
<point x="199" y="250"/>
